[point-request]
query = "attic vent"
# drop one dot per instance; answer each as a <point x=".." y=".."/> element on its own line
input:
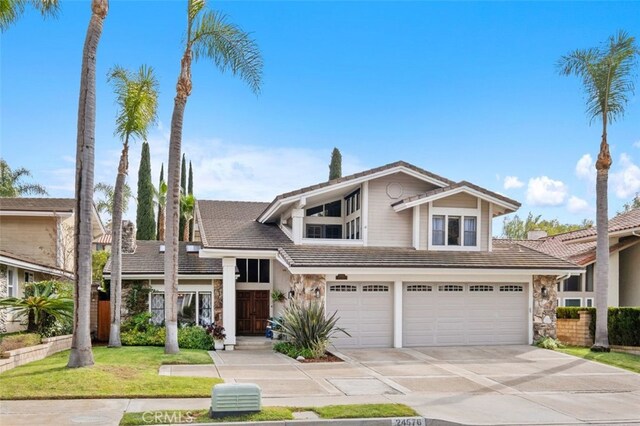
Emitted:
<point x="191" y="248"/>
<point x="161" y="250"/>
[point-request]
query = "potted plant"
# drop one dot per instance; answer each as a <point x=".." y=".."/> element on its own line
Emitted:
<point x="277" y="296"/>
<point x="276" y="327"/>
<point x="218" y="334"/>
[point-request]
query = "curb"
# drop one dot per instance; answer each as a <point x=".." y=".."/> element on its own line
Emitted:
<point x="388" y="421"/>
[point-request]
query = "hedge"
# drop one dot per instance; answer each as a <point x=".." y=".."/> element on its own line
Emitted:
<point x="623" y="323"/>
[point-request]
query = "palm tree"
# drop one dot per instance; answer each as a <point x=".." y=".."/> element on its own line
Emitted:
<point x="209" y="36"/>
<point x="104" y="204"/>
<point x="137" y="99"/>
<point x="36" y="307"/>
<point x="10" y="10"/>
<point x="160" y="196"/>
<point x="187" y="207"/>
<point x="606" y="74"/>
<point x="81" y="354"/>
<point x="12" y="185"/>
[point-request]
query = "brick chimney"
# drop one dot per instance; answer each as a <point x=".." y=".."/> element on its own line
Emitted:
<point x="128" y="236"/>
<point x="534" y="235"/>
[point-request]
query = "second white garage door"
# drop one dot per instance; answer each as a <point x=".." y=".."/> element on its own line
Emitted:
<point x="464" y="314"/>
<point x="365" y="311"/>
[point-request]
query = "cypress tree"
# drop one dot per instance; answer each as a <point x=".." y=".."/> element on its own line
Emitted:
<point x="190" y="189"/>
<point x="335" y="167"/>
<point x="160" y="208"/>
<point x="183" y="191"/>
<point x="145" y="220"/>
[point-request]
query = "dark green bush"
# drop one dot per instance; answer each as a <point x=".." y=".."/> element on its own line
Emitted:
<point x="572" y="312"/>
<point x="623" y="323"/>
<point x="151" y="336"/>
<point x="140" y="322"/>
<point x="291" y="350"/>
<point x="194" y="337"/>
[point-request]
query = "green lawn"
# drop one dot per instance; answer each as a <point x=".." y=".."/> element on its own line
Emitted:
<point x="118" y="372"/>
<point x="617" y="359"/>
<point x="269" y="414"/>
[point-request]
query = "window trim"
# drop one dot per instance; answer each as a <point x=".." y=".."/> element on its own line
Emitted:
<point x="196" y="294"/>
<point x="12" y="282"/>
<point x="462" y="213"/>
<point x="579" y="299"/>
<point x="587" y="300"/>
<point x="257" y="259"/>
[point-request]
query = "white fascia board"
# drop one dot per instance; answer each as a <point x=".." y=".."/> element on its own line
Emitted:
<point x="332" y="242"/>
<point x="161" y="276"/>
<point x="267" y="214"/>
<point x="35" y="213"/>
<point x="429" y="271"/>
<point x="33" y="267"/>
<point x="241" y="253"/>
<point x="471" y="191"/>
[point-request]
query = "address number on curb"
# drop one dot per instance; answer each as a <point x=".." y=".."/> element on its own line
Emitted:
<point x="414" y="421"/>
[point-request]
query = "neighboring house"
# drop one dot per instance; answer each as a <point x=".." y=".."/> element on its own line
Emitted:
<point x="580" y="247"/>
<point x="143" y="264"/>
<point x="403" y="255"/>
<point x="36" y="243"/>
<point x="103" y="242"/>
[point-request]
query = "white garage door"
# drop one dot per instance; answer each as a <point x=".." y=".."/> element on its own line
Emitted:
<point x="464" y="314"/>
<point x="365" y="311"/>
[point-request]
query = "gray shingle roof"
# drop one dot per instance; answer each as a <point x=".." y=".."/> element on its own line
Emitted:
<point x="38" y="204"/>
<point x="148" y="260"/>
<point x="233" y="225"/>
<point x="505" y="255"/>
<point x="455" y="186"/>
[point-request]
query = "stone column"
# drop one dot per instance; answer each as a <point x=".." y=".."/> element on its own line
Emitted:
<point x="217" y="301"/>
<point x="544" y="306"/>
<point x="305" y="286"/>
<point x="229" y="301"/>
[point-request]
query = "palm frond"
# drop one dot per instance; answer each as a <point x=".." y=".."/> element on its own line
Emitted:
<point x="11" y="10"/>
<point x="229" y="47"/>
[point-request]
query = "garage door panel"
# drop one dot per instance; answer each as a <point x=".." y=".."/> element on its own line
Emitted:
<point x="465" y="314"/>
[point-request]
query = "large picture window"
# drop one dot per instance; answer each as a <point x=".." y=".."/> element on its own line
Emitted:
<point x="193" y="308"/>
<point x="253" y="270"/>
<point x="324" y="231"/>
<point x="333" y="209"/>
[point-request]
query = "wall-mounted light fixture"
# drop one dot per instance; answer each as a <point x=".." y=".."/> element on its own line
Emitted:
<point x="317" y="292"/>
<point x="291" y="294"/>
<point x="545" y="292"/>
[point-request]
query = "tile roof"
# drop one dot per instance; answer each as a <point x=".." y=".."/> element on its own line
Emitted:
<point x="505" y="255"/>
<point x="37" y="204"/>
<point x="621" y="222"/>
<point x="356" y="176"/>
<point x="148" y="259"/>
<point x="455" y="186"/>
<point x="104" y="239"/>
<point x="233" y="225"/>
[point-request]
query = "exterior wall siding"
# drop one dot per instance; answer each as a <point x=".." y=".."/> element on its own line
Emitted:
<point x="424" y="227"/>
<point x="32" y="237"/>
<point x="484" y="221"/>
<point x="630" y="276"/>
<point x="388" y="228"/>
<point x="460" y="200"/>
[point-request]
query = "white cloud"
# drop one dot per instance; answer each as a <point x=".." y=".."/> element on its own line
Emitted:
<point x="585" y="168"/>
<point x="511" y="182"/>
<point x="543" y="191"/>
<point x="626" y="181"/>
<point x="637" y="143"/>
<point x="577" y="205"/>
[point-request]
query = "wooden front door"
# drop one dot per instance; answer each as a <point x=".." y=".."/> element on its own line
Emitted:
<point x="252" y="311"/>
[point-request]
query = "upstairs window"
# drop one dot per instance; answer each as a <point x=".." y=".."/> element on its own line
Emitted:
<point x="438" y="230"/>
<point x="253" y="270"/>
<point x="352" y="202"/>
<point x="454" y="231"/>
<point x="572" y="283"/>
<point x="470" y="234"/>
<point x="324" y="231"/>
<point x="333" y="209"/>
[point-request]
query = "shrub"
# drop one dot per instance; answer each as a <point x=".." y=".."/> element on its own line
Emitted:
<point x="572" y="312"/>
<point x="137" y="297"/>
<point x="17" y="341"/>
<point x="306" y="326"/>
<point x="98" y="260"/>
<point x="548" y="343"/>
<point x="291" y="350"/>
<point x="194" y="337"/>
<point x="140" y="322"/>
<point x="152" y="336"/>
<point x="623" y="323"/>
<point x="216" y="331"/>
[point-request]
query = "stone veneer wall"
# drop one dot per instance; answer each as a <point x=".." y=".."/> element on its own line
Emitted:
<point x="575" y="331"/>
<point x="128" y="236"/>
<point x="3" y="293"/>
<point x="304" y="287"/>
<point x="544" y="309"/>
<point x="217" y="301"/>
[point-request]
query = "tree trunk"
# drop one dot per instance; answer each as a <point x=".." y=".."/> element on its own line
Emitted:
<point x="161" y="223"/>
<point x="187" y="231"/>
<point x="115" y="289"/>
<point x="81" y="354"/>
<point x="183" y="89"/>
<point x="602" y="246"/>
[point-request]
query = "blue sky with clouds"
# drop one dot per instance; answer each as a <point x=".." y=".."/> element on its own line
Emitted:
<point x="466" y="90"/>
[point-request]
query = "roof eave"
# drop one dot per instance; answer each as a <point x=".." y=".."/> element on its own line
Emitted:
<point x="402" y="205"/>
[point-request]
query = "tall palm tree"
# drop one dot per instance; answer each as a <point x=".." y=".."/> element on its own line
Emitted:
<point x="11" y="10"/>
<point x="137" y="99"/>
<point x="208" y="36"/>
<point x="11" y="182"/>
<point x="187" y="207"/>
<point x="160" y="196"/>
<point x="81" y="354"/>
<point x="606" y="74"/>
<point x="104" y="204"/>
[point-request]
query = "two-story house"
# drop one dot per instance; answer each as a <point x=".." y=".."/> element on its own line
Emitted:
<point x="36" y="243"/>
<point x="404" y="256"/>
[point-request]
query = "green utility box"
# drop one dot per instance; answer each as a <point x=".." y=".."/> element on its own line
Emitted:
<point x="230" y="399"/>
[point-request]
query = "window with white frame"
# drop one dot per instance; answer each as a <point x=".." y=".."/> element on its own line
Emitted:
<point x="569" y="302"/>
<point x="12" y="282"/>
<point x="332" y="209"/>
<point x="454" y="230"/>
<point x="28" y="277"/>
<point x="352" y="218"/>
<point x="193" y="307"/>
<point x="588" y="302"/>
<point x="205" y="308"/>
<point x="253" y="270"/>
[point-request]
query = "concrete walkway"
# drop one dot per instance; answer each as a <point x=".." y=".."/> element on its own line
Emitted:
<point x="471" y="385"/>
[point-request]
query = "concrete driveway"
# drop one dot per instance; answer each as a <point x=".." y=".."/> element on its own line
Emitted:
<point x="466" y="385"/>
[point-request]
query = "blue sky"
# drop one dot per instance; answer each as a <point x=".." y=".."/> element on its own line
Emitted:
<point x="466" y="90"/>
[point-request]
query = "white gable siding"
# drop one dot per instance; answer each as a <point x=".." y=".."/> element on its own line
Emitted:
<point x="388" y="228"/>
<point x="460" y="200"/>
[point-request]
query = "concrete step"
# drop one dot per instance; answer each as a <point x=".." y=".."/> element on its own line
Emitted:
<point x="245" y="343"/>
